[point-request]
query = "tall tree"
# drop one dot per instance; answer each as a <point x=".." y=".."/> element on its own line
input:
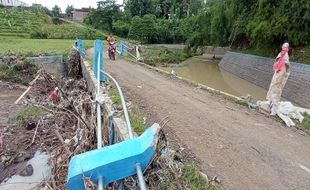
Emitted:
<point x="69" y="11"/>
<point x="143" y="29"/>
<point x="140" y="7"/>
<point x="56" y="11"/>
<point x="106" y="3"/>
<point x="195" y="6"/>
<point x="162" y="8"/>
<point x="104" y="16"/>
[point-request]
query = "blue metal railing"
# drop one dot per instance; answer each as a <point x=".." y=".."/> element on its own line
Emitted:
<point x="98" y="69"/>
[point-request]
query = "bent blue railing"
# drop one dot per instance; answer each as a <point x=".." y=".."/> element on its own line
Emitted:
<point x="118" y="161"/>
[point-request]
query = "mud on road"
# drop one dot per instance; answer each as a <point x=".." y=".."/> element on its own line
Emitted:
<point x="244" y="148"/>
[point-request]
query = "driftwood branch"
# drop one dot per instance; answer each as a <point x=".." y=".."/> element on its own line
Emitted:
<point x="29" y="87"/>
<point x="62" y="141"/>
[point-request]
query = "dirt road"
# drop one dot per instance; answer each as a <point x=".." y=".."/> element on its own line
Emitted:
<point x="244" y="148"/>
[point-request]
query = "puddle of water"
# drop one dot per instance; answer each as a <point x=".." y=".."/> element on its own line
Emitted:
<point x="207" y="72"/>
<point x="41" y="172"/>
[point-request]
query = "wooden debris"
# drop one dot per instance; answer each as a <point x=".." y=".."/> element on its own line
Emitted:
<point x="29" y="87"/>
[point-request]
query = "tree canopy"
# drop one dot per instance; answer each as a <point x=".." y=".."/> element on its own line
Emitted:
<point x="239" y="23"/>
<point x="56" y="11"/>
<point x="69" y="11"/>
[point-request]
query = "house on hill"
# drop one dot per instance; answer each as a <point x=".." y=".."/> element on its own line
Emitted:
<point x="80" y="14"/>
<point x="13" y="3"/>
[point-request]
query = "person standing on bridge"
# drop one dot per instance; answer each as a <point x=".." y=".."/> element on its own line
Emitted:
<point x="281" y="69"/>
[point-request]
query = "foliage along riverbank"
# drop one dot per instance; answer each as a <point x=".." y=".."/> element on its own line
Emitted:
<point x="259" y="27"/>
<point x="161" y="56"/>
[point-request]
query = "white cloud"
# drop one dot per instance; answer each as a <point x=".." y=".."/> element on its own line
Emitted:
<point x="63" y="3"/>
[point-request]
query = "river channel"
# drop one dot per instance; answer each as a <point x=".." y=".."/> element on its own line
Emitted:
<point x="207" y="72"/>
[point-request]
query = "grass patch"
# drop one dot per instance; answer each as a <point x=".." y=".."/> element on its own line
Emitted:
<point x="156" y="56"/>
<point x="137" y="122"/>
<point x="194" y="180"/>
<point x="28" y="112"/>
<point x="34" y="47"/>
<point x="115" y="97"/>
<point x="306" y="122"/>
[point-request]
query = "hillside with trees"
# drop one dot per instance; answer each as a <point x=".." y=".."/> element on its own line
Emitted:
<point x="258" y="25"/>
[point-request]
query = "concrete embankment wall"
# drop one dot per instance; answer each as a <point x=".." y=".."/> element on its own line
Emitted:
<point x="258" y="70"/>
<point x="52" y="64"/>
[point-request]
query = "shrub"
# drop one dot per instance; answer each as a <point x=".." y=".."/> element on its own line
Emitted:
<point x="143" y="29"/>
<point x="56" y="20"/>
<point x="121" y="28"/>
<point x="159" y="55"/>
<point x="137" y="120"/>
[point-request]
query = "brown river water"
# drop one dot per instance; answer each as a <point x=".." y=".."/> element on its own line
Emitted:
<point x="207" y="72"/>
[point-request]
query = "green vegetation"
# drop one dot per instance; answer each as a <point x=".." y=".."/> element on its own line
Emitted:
<point x="156" y="56"/>
<point x="19" y="20"/>
<point x="33" y="47"/>
<point x="299" y="54"/>
<point x="306" y="122"/>
<point x="142" y="29"/>
<point x="113" y="94"/>
<point x="66" y="31"/>
<point x="36" y="24"/>
<point x="28" y="112"/>
<point x="136" y="119"/>
<point x="194" y="180"/>
<point x="20" y="71"/>
<point x="258" y="27"/>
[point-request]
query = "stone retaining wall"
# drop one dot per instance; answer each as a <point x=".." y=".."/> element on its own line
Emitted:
<point x="258" y="70"/>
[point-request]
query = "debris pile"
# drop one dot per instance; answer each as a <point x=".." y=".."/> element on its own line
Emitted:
<point x="62" y="128"/>
<point x="289" y="113"/>
<point x="17" y="69"/>
<point x="59" y="120"/>
<point x="74" y="64"/>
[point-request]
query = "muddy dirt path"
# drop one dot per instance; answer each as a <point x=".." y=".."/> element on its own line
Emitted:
<point x="244" y="148"/>
<point x="9" y="93"/>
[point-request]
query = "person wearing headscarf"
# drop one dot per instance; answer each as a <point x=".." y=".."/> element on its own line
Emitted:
<point x="281" y="69"/>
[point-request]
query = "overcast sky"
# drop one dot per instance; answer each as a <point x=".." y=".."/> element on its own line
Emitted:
<point x="63" y="3"/>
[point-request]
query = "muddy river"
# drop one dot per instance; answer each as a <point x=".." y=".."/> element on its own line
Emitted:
<point x="207" y="72"/>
